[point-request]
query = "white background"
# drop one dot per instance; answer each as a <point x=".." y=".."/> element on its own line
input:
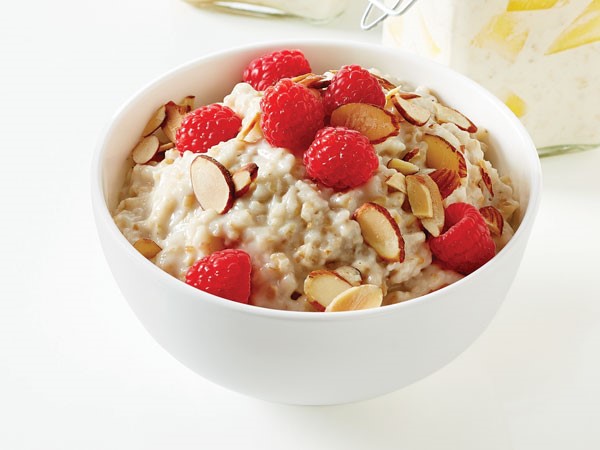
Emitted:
<point x="77" y="370"/>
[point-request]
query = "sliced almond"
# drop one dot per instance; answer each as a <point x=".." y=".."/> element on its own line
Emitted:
<point x="351" y="274"/>
<point x="155" y="121"/>
<point x="356" y="298"/>
<point x="404" y="167"/>
<point x="384" y="83"/>
<point x="243" y="178"/>
<point x="247" y="132"/>
<point x="444" y="114"/>
<point x="419" y="197"/>
<point x="447" y="181"/>
<point x="374" y="122"/>
<point x="413" y="113"/>
<point x="188" y="102"/>
<point x="165" y="147"/>
<point x="441" y="154"/>
<point x="494" y="220"/>
<point x="212" y="184"/>
<point x="174" y="116"/>
<point x="435" y="223"/>
<point x="322" y="286"/>
<point x="411" y="154"/>
<point x="145" y="150"/>
<point x="313" y="81"/>
<point x="487" y="180"/>
<point x="380" y="231"/>
<point x="147" y="247"/>
<point x="397" y="182"/>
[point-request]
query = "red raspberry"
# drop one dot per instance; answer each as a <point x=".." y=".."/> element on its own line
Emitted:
<point x="353" y="84"/>
<point x="466" y="243"/>
<point x="225" y="273"/>
<point x="207" y="126"/>
<point x="268" y="69"/>
<point x="340" y="158"/>
<point x="292" y="115"/>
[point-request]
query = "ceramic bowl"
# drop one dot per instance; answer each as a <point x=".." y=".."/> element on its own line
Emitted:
<point x="312" y="358"/>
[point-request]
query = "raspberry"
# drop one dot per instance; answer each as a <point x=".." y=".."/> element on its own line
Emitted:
<point x="207" y="126"/>
<point x="340" y="158"/>
<point x="353" y="84"/>
<point x="225" y="273"/>
<point x="466" y="243"/>
<point x="292" y="115"/>
<point x="268" y="69"/>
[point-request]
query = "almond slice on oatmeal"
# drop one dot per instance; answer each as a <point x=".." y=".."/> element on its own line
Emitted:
<point x="434" y="223"/>
<point x="380" y="231"/>
<point x="351" y="274"/>
<point x="155" y="121"/>
<point x="419" y="197"/>
<point x="374" y="122"/>
<point x="322" y="286"/>
<point x="493" y="219"/>
<point x="212" y="184"/>
<point x="248" y="132"/>
<point x="243" y="178"/>
<point x="445" y="114"/>
<point x="147" y="247"/>
<point x="413" y="113"/>
<point x="404" y="167"/>
<point x="447" y="181"/>
<point x="487" y="180"/>
<point x="165" y="147"/>
<point x="174" y="116"/>
<point x="397" y="182"/>
<point x="357" y="298"/>
<point x="145" y="150"/>
<point x="441" y="154"/>
<point x="188" y="102"/>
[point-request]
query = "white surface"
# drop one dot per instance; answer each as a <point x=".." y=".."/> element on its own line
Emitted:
<point x="77" y="370"/>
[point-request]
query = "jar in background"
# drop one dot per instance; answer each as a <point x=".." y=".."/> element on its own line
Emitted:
<point x="541" y="57"/>
<point x="313" y="10"/>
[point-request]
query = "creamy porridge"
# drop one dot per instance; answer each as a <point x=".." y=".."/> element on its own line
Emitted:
<point x="293" y="227"/>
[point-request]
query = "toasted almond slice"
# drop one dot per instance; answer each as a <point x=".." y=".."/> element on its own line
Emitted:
<point x="243" y="178"/>
<point x="155" y="121"/>
<point x="322" y="286"/>
<point x="447" y="181"/>
<point x="356" y="298"/>
<point x="147" y="247"/>
<point x="444" y="114"/>
<point x="397" y="182"/>
<point x="385" y="84"/>
<point x="174" y="116"/>
<point x="441" y="154"/>
<point x="411" y="154"/>
<point x="212" y="184"/>
<point x="249" y="126"/>
<point x="494" y="220"/>
<point x="404" y="167"/>
<point x="487" y="180"/>
<point x="413" y="113"/>
<point x="314" y="81"/>
<point x="165" y="147"/>
<point x="374" y="122"/>
<point x="419" y="197"/>
<point x="380" y="231"/>
<point x="351" y="274"/>
<point x="145" y="150"/>
<point x="434" y="224"/>
<point x="188" y="102"/>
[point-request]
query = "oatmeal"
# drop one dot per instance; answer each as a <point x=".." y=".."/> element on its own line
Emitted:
<point x="303" y="236"/>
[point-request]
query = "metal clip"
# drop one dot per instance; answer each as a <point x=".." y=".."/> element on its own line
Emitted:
<point x="400" y="7"/>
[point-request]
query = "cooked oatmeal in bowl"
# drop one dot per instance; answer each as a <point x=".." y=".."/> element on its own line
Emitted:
<point x="338" y="191"/>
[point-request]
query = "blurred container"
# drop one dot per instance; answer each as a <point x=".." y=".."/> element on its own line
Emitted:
<point x="541" y="57"/>
<point x="313" y="10"/>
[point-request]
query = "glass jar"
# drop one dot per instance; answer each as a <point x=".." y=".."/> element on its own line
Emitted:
<point x="313" y="10"/>
<point x="541" y="57"/>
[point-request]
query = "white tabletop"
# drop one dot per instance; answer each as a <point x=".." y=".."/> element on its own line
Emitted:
<point x="78" y="371"/>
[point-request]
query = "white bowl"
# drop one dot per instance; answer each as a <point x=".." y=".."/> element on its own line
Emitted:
<point x="311" y="358"/>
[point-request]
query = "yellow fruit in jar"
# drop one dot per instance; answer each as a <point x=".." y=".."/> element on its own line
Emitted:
<point x="527" y="5"/>
<point x="585" y="29"/>
<point x="504" y="34"/>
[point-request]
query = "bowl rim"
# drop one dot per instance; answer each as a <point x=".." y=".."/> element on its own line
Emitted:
<point x="104" y="218"/>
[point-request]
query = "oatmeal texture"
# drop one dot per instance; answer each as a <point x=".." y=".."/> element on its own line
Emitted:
<point x="291" y="226"/>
